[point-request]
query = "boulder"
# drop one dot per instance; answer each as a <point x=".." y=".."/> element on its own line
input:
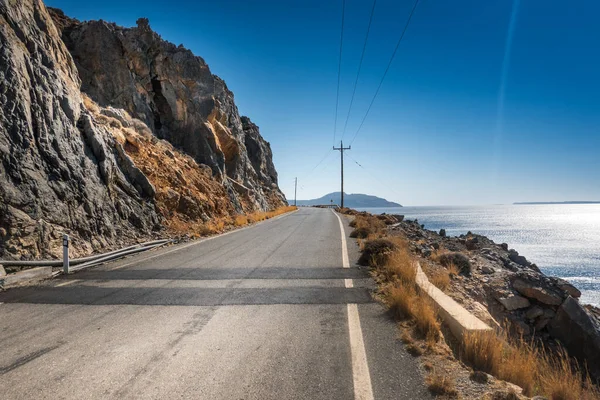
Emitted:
<point x="534" y="312"/>
<point x="579" y="333"/>
<point x="504" y="246"/>
<point x="513" y="302"/>
<point x="2" y="271"/>
<point x="567" y="287"/>
<point x="442" y="232"/>
<point x="537" y="292"/>
<point x="487" y="270"/>
<point x="514" y="256"/>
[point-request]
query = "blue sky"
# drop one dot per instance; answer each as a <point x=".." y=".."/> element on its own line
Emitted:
<point x="467" y="114"/>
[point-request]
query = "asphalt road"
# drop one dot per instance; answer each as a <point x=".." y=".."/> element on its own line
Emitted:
<point x="272" y="311"/>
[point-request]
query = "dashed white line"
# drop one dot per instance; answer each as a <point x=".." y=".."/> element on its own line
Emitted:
<point x="361" y="377"/>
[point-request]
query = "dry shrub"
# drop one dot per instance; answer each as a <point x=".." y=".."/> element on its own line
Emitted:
<point x="458" y="259"/>
<point x="361" y="233"/>
<point x="452" y="270"/>
<point x="376" y="252"/>
<point x="441" y="385"/>
<point x="483" y="351"/>
<point x="425" y="316"/>
<point x="240" y="220"/>
<point x="538" y="372"/>
<point x="401" y="298"/>
<point x="439" y="277"/>
<point x="400" y="265"/>
<point x="562" y="379"/>
<point x="369" y="222"/>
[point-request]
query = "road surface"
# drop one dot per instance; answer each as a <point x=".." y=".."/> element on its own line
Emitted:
<point x="274" y="311"/>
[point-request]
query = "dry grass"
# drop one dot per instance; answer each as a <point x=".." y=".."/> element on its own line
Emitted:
<point x="538" y="372"/>
<point x="452" y="270"/>
<point x="241" y="220"/>
<point x="439" y="277"/>
<point x="426" y="320"/>
<point x="441" y="385"/>
<point x="262" y="215"/>
<point x="405" y="300"/>
<point x="401" y="298"/>
<point x="400" y="265"/>
<point x="366" y="227"/>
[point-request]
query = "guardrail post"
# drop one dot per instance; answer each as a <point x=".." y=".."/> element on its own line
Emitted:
<point x="66" y="253"/>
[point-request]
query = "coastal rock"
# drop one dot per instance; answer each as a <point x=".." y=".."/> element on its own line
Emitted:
<point x="514" y="256"/>
<point x="535" y="291"/>
<point x="512" y="302"/>
<point x="442" y="233"/>
<point x="567" y="287"/>
<point x="579" y="333"/>
<point x="534" y="312"/>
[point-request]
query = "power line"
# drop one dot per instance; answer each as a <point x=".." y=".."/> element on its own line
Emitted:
<point x="386" y="70"/>
<point x="362" y="56"/>
<point x="337" y="99"/>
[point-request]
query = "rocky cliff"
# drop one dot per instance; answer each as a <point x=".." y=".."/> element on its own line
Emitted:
<point x="112" y="134"/>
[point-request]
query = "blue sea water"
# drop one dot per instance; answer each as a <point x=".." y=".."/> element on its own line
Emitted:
<point x="563" y="239"/>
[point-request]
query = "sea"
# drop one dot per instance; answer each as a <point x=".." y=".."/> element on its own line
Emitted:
<point x="562" y="239"/>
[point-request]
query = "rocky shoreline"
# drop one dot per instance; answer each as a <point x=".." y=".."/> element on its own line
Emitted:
<point x="504" y="289"/>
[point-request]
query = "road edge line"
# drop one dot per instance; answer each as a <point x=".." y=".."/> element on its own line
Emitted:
<point x="361" y="377"/>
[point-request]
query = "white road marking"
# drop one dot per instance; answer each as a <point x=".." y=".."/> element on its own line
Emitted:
<point x="68" y="282"/>
<point x="363" y="389"/>
<point x="202" y="241"/>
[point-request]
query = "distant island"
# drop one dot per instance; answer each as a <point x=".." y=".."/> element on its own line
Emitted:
<point x="353" y="200"/>
<point x="559" y="202"/>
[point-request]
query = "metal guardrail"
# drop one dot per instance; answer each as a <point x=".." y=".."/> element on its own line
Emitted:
<point x="85" y="262"/>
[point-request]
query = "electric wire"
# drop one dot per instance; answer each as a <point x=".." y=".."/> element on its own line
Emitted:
<point x="362" y="56"/>
<point x="386" y="70"/>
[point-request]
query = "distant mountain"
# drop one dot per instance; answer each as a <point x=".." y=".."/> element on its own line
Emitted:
<point x="559" y="202"/>
<point x="354" y="200"/>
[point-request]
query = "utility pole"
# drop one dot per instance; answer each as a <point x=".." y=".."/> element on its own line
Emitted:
<point x="341" y="149"/>
<point x="295" y="190"/>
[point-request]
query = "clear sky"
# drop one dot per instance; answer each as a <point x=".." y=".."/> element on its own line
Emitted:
<point x="486" y="102"/>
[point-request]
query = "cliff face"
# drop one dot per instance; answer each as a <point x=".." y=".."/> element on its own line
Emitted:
<point x="100" y="171"/>
<point x="174" y="93"/>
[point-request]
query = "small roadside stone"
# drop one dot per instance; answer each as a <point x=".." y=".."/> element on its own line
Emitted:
<point x="2" y="271"/>
<point x="481" y="377"/>
<point x="487" y="270"/>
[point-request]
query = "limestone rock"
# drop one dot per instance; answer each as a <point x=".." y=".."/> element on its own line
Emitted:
<point x="537" y="292"/>
<point x="59" y="173"/>
<point x="579" y="333"/>
<point x="512" y="302"/>
<point x="175" y="94"/>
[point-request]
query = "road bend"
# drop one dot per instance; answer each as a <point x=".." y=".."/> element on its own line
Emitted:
<point x="274" y="311"/>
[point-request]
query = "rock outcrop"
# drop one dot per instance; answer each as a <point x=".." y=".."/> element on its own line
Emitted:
<point x="97" y="168"/>
<point x="174" y="93"/>
<point x="513" y="289"/>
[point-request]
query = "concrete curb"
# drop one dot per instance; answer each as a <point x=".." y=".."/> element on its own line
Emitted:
<point x="458" y="319"/>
